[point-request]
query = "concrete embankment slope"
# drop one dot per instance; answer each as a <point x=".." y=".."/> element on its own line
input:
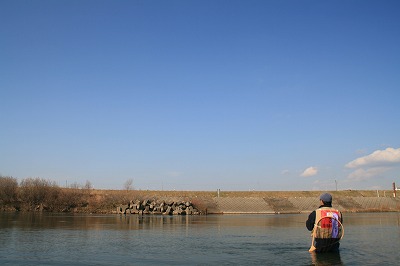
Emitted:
<point x="300" y="204"/>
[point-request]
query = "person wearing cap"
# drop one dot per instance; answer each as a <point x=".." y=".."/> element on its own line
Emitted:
<point x="326" y="226"/>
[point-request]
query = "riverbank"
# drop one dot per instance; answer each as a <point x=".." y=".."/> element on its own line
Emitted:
<point x="76" y="200"/>
<point x="225" y="202"/>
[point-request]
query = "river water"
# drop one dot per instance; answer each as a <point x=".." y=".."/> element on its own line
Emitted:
<point x="67" y="239"/>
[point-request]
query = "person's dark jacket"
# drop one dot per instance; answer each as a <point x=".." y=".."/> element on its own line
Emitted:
<point x="323" y="245"/>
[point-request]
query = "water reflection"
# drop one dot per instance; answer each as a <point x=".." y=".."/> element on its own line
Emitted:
<point x="139" y="222"/>
<point x="330" y="258"/>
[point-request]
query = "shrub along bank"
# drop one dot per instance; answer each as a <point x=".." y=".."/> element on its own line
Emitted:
<point x="39" y="194"/>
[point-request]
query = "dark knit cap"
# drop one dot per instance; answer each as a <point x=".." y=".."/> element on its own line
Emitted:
<point x="326" y="197"/>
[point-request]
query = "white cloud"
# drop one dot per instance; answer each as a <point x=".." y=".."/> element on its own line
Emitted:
<point x="373" y="165"/>
<point x="365" y="174"/>
<point x="285" y="172"/>
<point x="310" y="171"/>
<point x="377" y="158"/>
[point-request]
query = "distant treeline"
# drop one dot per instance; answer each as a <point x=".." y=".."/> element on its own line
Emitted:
<point x="38" y="194"/>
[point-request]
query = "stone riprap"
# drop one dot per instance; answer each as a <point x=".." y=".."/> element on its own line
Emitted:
<point x="158" y="207"/>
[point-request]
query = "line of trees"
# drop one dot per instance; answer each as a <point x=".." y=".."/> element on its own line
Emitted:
<point x="41" y="194"/>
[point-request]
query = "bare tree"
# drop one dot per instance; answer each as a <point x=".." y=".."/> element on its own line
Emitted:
<point x="88" y="185"/>
<point x="74" y="185"/>
<point x="128" y="185"/>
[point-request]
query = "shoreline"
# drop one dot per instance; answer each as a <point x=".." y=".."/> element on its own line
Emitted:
<point x="99" y="201"/>
<point x="266" y="202"/>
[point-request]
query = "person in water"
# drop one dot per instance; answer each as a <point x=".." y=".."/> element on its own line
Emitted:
<point x="326" y="226"/>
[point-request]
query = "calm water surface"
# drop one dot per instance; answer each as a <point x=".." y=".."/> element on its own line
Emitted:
<point x="59" y="239"/>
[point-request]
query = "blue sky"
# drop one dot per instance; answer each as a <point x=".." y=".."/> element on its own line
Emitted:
<point x="201" y="95"/>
